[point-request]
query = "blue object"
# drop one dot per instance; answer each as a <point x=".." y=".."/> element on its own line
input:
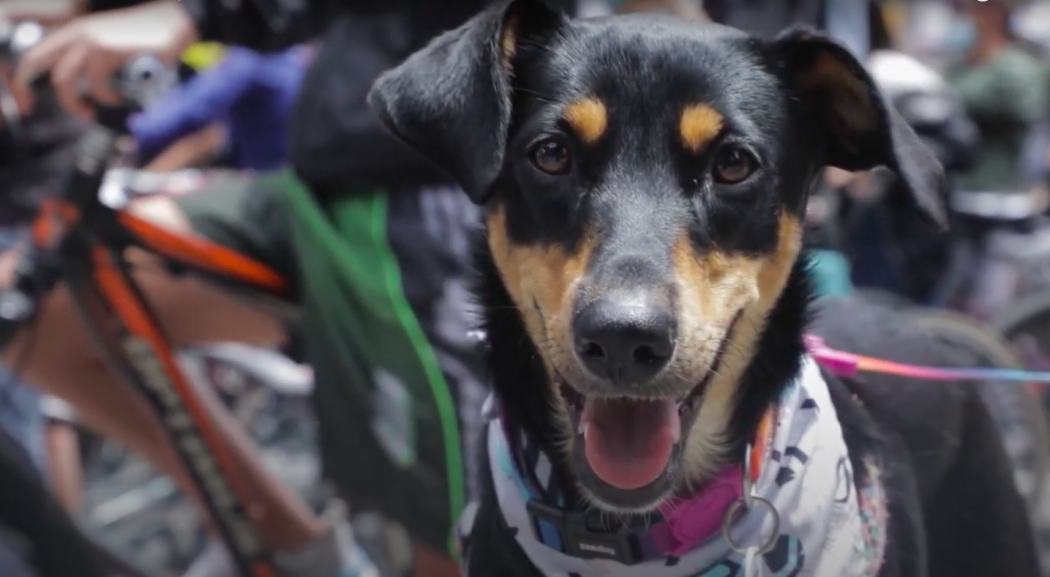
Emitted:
<point x="830" y="272"/>
<point x="251" y="92"/>
<point x="22" y="418"/>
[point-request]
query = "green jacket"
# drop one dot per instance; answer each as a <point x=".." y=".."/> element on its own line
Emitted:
<point x="1005" y="97"/>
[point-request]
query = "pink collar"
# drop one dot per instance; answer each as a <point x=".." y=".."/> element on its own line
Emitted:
<point x="690" y="522"/>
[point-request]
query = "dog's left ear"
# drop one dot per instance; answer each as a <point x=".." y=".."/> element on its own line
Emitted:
<point x="860" y="129"/>
<point x="451" y="101"/>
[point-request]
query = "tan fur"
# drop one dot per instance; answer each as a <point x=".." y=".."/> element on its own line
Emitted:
<point x="698" y="125"/>
<point x="712" y="289"/>
<point x="588" y="118"/>
<point x="508" y="42"/>
<point x="541" y="282"/>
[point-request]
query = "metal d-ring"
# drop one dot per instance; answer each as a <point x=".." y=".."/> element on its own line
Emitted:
<point x="727" y="523"/>
<point x="748" y="501"/>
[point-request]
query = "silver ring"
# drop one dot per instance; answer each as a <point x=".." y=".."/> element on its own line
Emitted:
<point x="748" y="486"/>
<point x="727" y="522"/>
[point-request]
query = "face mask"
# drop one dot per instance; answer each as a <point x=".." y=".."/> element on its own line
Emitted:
<point x="961" y="36"/>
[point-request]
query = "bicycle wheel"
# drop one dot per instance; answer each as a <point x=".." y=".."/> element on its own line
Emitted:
<point x="1016" y="409"/>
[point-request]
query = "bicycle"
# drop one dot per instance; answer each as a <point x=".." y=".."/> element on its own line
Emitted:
<point x="140" y="512"/>
<point x="78" y="240"/>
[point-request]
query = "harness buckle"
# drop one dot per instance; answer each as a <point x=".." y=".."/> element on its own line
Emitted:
<point x="578" y="539"/>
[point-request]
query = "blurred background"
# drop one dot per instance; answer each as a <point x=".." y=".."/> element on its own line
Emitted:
<point x="971" y="77"/>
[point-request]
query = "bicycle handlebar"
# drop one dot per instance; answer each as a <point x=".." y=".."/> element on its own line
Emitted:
<point x="137" y="82"/>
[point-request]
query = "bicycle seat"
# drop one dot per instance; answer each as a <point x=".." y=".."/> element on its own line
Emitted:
<point x="267" y="366"/>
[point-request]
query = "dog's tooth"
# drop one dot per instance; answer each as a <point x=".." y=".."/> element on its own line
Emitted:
<point x="584" y="428"/>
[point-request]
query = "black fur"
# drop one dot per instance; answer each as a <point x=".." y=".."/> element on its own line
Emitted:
<point x="480" y="100"/>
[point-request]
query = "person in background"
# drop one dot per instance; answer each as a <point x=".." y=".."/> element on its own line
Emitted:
<point x="1003" y="87"/>
<point x="1004" y="91"/>
<point x="242" y="103"/>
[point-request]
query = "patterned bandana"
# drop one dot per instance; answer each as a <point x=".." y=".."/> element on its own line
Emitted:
<point x="826" y="529"/>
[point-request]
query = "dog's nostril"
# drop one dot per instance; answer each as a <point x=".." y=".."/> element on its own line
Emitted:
<point x="592" y="350"/>
<point x="646" y="355"/>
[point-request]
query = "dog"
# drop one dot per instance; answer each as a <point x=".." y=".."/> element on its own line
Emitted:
<point x="644" y="180"/>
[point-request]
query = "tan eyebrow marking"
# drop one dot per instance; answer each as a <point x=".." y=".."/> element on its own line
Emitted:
<point x="588" y="117"/>
<point x="698" y="125"/>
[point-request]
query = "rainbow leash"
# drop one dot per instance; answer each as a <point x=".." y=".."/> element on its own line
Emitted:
<point x="846" y="364"/>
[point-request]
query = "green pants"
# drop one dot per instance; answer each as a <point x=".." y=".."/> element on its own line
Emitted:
<point x="383" y="283"/>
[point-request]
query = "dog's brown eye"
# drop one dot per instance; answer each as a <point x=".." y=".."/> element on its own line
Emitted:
<point x="733" y="165"/>
<point x="551" y="156"/>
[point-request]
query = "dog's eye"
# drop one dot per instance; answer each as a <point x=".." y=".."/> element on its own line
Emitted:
<point x="733" y="165"/>
<point x="551" y="156"/>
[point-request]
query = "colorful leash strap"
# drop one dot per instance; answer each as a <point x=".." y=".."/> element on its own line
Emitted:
<point x="846" y="364"/>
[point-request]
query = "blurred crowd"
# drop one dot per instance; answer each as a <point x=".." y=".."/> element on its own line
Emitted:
<point x="971" y="76"/>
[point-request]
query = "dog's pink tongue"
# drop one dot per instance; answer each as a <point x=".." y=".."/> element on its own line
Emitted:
<point x="628" y="443"/>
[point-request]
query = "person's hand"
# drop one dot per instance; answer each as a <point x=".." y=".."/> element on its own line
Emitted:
<point x="85" y="55"/>
<point x="43" y="12"/>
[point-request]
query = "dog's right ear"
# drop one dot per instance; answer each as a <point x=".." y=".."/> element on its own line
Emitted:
<point x="451" y="101"/>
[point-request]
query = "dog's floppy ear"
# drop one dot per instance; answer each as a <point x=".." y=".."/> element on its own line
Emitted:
<point x="860" y="129"/>
<point x="451" y="101"/>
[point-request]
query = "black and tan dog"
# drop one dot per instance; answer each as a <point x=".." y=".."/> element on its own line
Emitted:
<point x="643" y="179"/>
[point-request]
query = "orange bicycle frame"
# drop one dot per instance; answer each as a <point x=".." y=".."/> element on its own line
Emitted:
<point x="89" y="250"/>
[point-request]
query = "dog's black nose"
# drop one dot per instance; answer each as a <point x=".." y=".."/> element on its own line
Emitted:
<point x="628" y="342"/>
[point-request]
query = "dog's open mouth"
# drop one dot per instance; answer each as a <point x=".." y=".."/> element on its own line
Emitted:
<point x="627" y="450"/>
<point x="629" y="442"/>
